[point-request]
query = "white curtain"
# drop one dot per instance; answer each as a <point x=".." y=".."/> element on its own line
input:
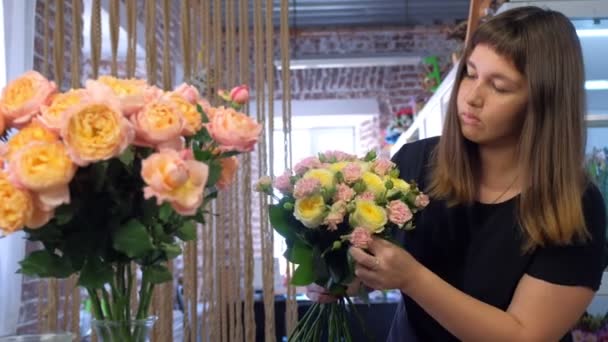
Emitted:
<point x="17" y="20"/>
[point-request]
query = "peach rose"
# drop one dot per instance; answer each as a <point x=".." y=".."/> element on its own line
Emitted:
<point x="132" y="93"/>
<point x="175" y="180"/>
<point x="33" y="132"/>
<point x="46" y="169"/>
<point x="16" y="206"/>
<point x="234" y="131"/>
<point x="229" y="167"/>
<point x="52" y="115"/>
<point x="2" y="124"/>
<point x="22" y="98"/>
<point x="158" y="122"/>
<point x="188" y="92"/>
<point x="193" y="119"/>
<point x="96" y="131"/>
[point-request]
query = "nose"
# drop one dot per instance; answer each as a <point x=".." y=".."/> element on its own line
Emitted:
<point x="474" y="95"/>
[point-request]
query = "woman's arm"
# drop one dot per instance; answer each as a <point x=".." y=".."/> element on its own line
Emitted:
<point x="539" y="311"/>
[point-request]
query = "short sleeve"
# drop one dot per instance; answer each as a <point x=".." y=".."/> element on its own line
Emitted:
<point x="579" y="264"/>
<point x="412" y="159"/>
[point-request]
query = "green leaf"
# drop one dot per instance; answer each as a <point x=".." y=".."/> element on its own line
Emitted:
<point x="187" y="231"/>
<point x="203" y="155"/>
<point x="303" y="275"/>
<point x="127" y="156"/>
<point x="229" y="154"/>
<point x="132" y="239"/>
<point x="210" y="196"/>
<point x="99" y="171"/>
<point x="172" y="251"/>
<point x="164" y="212"/>
<point x="95" y="273"/>
<point x="157" y="274"/>
<point x="215" y="171"/>
<point x="64" y="214"/>
<point x="45" y="264"/>
<point x="280" y="219"/>
<point x="204" y="117"/>
<point x="299" y="253"/>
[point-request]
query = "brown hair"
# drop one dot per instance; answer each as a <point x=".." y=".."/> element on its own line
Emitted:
<point x="543" y="45"/>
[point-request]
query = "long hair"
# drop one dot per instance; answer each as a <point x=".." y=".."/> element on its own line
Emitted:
<point x="543" y="46"/>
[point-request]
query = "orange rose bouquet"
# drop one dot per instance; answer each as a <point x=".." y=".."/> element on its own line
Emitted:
<point x="113" y="173"/>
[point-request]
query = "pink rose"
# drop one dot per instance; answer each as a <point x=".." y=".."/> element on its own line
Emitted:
<point x="367" y="196"/>
<point x="351" y="172"/>
<point x="344" y="193"/>
<point x="175" y="180"/>
<point x="306" y="164"/>
<point x="399" y="213"/>
<point x="283" y="182"/>
<point x="234" y="131"/>
<point x="422" y="201"/>
<point x="263" y="184"/>
<point x="306" y="187"/>
<point x="382" y="166"/>
<point x="188" y="92"/>
<point x="23" y="97"/>
<point x="360" y="238"/>
<point x="52" y="115"/>
<point x="158" y="122"/>
<point x="335" y="216"/>
<point x="338" y="156"/>
<point x="240" y="94"/>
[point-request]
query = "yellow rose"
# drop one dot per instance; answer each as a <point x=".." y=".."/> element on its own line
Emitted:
<point x="399" y="185"/>
<point x="22" y="98"/>
<point x="52" y="115"/>
<point x="192" y="118"/>
<point x="96" y="131"/>
<point x="369" y="216"/>
<point x="42" y="166"/>
<point x="373" y="183"/>
<point x="132" y="93"/>
<point x="310" y="211"/>
<point x="324" y="176"/>
<point x="169" y="177"/>
<point x="16" y="206"/>
<point x="33" y="132"/>
<point x="337" y="167"/>
<point x="158" y="122"/>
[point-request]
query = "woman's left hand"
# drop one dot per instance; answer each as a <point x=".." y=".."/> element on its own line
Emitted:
<point x="388" y="267"/>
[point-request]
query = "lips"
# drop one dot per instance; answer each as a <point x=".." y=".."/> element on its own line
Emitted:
<point x="469" y="118"/>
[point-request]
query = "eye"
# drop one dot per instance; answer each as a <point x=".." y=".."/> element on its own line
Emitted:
<point x="499" y="89"/>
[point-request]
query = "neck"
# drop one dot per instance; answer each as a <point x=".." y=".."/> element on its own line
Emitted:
<point x="498" y="165"/>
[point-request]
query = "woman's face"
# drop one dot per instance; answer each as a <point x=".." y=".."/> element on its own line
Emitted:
<point x="492" y="98"/>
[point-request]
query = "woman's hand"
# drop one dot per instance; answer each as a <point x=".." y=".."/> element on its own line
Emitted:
<point x="388" y="267"/>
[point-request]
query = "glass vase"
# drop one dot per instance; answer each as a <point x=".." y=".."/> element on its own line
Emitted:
<point x="138" y="330"/>
<point x="49" y="337"/>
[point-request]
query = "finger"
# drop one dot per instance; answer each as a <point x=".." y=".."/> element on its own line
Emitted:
<point x="367" y="276"/>
<point x="362" y="258"/>
<point x="377" y="244"/>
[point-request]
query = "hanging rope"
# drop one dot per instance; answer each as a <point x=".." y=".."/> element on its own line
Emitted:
<point x="114" y="33"/>
<point x="150" y="24"/>
<point x="58" y="43"/>
<point x="76" y="42"/>
<point x="131" y="37"/>
<point x="47" y="38"/>
<point x="96" y="37"/>
<point x="291" y="307"/>
<point x="186" y="42"/>
<point x="167" y="84"/>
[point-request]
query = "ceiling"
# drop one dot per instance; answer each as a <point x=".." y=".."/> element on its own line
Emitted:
<point x="315" y="13"/>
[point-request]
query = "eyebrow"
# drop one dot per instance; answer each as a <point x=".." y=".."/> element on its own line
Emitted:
<point x="495" y="75"/>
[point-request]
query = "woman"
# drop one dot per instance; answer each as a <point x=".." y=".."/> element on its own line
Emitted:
<point x="511" y="246"/>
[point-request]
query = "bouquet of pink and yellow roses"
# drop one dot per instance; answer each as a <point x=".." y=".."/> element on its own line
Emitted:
<point x="327" y="204"/>
<point x="113" y="173"/>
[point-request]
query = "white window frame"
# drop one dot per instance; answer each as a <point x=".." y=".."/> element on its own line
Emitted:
<point x="17" y="56"/>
